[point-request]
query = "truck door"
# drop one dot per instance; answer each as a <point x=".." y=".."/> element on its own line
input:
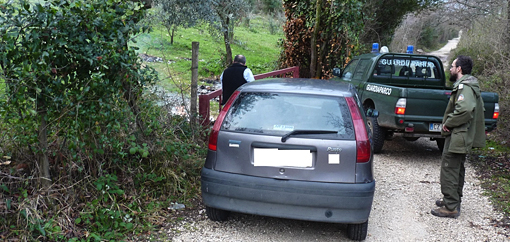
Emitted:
<point x="360" y="73"/>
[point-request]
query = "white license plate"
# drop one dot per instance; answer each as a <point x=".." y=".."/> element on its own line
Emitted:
<point x="435" y="127"/>
<point x="282" y="158"/>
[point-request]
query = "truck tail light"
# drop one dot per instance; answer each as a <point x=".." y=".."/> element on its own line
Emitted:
<point x="213" y="138"/>
<point x="363" y="149"/>
<point x="496" y="111"/>
<point x="400" y="107"/>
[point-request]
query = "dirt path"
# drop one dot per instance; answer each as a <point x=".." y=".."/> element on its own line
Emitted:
<point x="445" y="51"/>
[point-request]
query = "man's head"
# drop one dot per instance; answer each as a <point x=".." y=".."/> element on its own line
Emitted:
<point x="460" y="66"/>
<point x="240" y="59"/>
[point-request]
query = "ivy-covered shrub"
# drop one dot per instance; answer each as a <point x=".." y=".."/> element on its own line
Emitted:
<point x="334" y="27"/>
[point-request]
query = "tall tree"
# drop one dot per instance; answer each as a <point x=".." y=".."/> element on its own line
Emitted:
<point x="181" y="13"/>
<point x="331" y="31"/>
<point x="313" y="44"/>
<point x="227" y="14"/>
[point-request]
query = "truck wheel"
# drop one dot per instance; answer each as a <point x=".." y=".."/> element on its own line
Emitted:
<point x="215" y="214"/>
<point x="357" y="231"/>
<point x="378" y="134"/>
<point x="411" y="138"/>
<point x="440" y="144"/>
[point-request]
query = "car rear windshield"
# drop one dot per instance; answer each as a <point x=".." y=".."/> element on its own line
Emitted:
<point x="281" y="113"/>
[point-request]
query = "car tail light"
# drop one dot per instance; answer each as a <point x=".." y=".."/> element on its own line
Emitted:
<point x="363" y="151"/>
<point x="400" y="107"/>
<point x="496" y="111"/>
<point x="213" y="138"/>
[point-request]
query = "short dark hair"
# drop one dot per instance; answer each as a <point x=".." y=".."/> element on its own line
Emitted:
<point x="465" y="63"/>
<point x="240" y="59"/>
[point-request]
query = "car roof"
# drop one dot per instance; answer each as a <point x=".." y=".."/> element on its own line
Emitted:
<point x="300" y="86"/>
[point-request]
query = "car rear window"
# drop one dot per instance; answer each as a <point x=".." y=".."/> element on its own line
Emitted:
<point x="281" y="113"/>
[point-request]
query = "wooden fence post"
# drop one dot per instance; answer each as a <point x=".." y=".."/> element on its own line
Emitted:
<point x="194" y="81"/>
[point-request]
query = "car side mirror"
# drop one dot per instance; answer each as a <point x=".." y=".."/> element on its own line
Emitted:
<point x="372" y="113"/>
<point x="337" y="72"/>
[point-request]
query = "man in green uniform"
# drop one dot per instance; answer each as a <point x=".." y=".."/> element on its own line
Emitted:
<point x="464" y="128"/>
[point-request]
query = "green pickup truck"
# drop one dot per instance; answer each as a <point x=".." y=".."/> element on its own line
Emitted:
<point x="410" y="94"/>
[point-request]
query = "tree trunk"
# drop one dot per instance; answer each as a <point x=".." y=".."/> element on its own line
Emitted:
<point x="172" y="36"/>
<point x="43" y="163"/>
<point x="194" y="81"/>
<point x="226" y="38"/>
<point x="313" y="44"/>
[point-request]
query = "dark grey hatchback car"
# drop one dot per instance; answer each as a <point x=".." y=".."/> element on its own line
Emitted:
<point x="291" y="148"/>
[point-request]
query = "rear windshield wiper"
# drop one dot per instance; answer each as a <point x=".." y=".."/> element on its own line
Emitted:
<point x="287" y="135"/>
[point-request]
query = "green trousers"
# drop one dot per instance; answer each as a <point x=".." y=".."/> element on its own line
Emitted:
<point x="452" y="176"/>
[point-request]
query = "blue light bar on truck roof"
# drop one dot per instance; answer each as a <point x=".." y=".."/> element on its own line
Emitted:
<point x="410" y="49"/>
<point x="375" y="48"/>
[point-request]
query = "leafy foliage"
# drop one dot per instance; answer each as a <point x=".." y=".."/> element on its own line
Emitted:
<point x="272" y="6"/>
<point x="112" y="150"/>
<point x="68" y="67"/>
<point x="341" y="24"/>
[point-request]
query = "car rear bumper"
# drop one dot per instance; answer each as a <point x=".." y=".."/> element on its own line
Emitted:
<point x="314" y="201"/>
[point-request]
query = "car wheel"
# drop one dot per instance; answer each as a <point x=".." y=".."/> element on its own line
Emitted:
<point x="215" y="214"/>
<point x="378" y="134"/>
<point x="440" y="144"/>
<point x="411" y="138"/>
<point x="357" y="231"/>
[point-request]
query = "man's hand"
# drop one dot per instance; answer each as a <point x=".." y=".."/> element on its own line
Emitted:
<point x="445" y="129"/>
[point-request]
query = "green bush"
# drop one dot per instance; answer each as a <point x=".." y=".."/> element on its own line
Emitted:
<point x="116" y="156"/>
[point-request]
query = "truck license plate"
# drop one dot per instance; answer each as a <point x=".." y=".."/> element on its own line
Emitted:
<point x="435" y="127"/>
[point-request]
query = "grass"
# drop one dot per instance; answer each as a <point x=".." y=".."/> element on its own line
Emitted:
<point x="254" y="41"/>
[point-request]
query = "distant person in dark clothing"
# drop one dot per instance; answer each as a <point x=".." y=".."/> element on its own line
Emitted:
<point x="235" y="76"/>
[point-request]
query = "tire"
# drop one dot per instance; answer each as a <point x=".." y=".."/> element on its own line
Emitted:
<point x="411" y="138"/>
<point x="440" y="144"/>
<point x="215" y="214"/>
<point x="357" y="231"/>
<point x="378" y="134"/>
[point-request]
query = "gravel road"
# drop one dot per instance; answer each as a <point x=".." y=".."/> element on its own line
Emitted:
<point x="445" y="51"/>
<point x="407" y="185"/>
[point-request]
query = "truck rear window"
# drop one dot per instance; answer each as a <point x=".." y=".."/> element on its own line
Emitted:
<point x="407" y="70"/>
<point x="280" y="113"/>
<point x="406" y="67"/>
